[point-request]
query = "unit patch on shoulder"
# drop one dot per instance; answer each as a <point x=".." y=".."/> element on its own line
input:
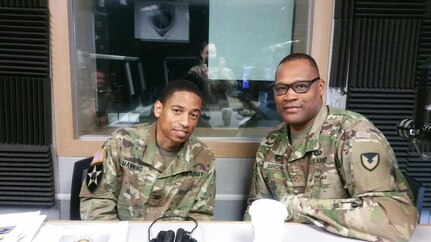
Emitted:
<point x="370" y="160"/>
<point x="94" y="176"/>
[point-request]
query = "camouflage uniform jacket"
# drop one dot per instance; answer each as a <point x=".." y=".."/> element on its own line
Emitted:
<point x="136" y="185"/>
<point x="343" y="177"/>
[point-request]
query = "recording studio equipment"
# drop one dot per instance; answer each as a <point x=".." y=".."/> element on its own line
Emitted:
<point x="419" y="136"/>
<point x="170" y="236"/>
<point x="406" y="129"/>
<point x="417" y="130"/>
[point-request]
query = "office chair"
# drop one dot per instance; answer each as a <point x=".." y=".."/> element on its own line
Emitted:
<point x="418" y="191"/>
<point x="78" y="176"/>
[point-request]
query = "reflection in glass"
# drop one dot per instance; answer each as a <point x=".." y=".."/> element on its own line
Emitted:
<point x="126" y="53"/>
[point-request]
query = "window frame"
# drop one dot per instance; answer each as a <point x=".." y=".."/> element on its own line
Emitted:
<point x="66" y="144"/>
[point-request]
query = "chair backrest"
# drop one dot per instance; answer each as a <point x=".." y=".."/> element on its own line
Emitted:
<point x="418" y="191"/>
<point x="78" y="176"/>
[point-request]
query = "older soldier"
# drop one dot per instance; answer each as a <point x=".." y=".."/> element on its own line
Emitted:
<point x="330" y="167"/>
<point x="155" y="170"/>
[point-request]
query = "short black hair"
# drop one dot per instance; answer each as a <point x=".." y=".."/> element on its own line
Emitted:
<point x="177" y="86"/>
<point x="299" y="56"/>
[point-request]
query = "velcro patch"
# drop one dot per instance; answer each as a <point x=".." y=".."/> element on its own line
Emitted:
<point x="371" y="166"/>
<point x="370" y="160"/>
<point x="99" y="156"/>
<point x="94" y="176"/>
<point x="132" y="166"/>
<point x="273" y="166"/>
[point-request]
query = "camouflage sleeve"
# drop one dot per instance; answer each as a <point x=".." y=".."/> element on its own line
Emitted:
<point x="203" y="206"/>
<point x="258" y="187"/>
<point x="99" y="203"/>
<point x="379" y="209"/>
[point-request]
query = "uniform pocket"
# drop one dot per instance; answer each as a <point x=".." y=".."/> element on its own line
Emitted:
<point x="157" y="198"/>
<point x="324" y="180"/>
<point x="185" y="186"/>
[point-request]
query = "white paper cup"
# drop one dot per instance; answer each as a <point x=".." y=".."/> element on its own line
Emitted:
<point x="226" y="114"/>
<point x="267" y="217"/>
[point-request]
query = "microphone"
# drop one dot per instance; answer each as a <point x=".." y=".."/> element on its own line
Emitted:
<point x="406" y="129"/>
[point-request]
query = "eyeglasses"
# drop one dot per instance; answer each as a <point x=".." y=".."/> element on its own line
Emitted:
<point x="298" y="87"/>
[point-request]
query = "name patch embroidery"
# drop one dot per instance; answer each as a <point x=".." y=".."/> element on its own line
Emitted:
<point x="273" y="166"/>
<point x="370" y="160"/>
<point x="131" y="166"/>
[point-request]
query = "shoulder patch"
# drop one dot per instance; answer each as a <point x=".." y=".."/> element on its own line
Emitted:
<point x="371" y="166"/>
<point x="370" y="160"/>
<point x="98" y="157"/>
<point x="94" y="176"/>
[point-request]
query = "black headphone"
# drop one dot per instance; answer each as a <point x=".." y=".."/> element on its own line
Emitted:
<point x="170" y="236"/>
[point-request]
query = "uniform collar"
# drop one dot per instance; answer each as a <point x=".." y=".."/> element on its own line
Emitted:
<point x="310" y="143"/>
<point x="318" y="123"/>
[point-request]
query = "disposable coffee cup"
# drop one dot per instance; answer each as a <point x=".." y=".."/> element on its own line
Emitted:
<point x="226" y="114"/>
<point x="267" y="218"/>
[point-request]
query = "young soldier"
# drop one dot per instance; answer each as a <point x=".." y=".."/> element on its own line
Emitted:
<point x="155" y="170"/>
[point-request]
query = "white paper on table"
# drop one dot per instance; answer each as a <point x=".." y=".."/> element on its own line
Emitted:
<point x="97" y="232"/>
<point x="22" y="226"/>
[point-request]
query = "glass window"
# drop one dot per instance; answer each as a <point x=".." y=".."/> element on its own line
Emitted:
<point x="127" y="50"/>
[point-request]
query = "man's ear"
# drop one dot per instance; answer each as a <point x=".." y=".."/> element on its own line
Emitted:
<point x="322" y="87"/>
<point x="158" y="107"/>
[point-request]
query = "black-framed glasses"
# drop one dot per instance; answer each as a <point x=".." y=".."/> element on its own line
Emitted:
<point x="298" y="87"/>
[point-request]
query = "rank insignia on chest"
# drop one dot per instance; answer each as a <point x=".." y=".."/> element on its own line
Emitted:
<point x="279" y="158"/>
<point x="370" y="160"/>
<point x="94" y="176"/>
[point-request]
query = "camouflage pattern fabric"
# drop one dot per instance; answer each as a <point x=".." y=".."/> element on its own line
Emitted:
<point x="136" y="185"/>
<point x="343" y="177"/>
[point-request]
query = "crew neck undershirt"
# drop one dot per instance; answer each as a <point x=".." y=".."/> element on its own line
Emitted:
<point x="297" y="137"/>
<point x="168" y="155"/>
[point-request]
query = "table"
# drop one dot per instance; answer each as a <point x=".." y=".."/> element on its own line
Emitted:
<point x="219" y="231"/>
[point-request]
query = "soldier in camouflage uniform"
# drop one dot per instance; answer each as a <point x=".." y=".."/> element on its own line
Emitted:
<point x="148" y="171"/>
<point x="330" y="167"/>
